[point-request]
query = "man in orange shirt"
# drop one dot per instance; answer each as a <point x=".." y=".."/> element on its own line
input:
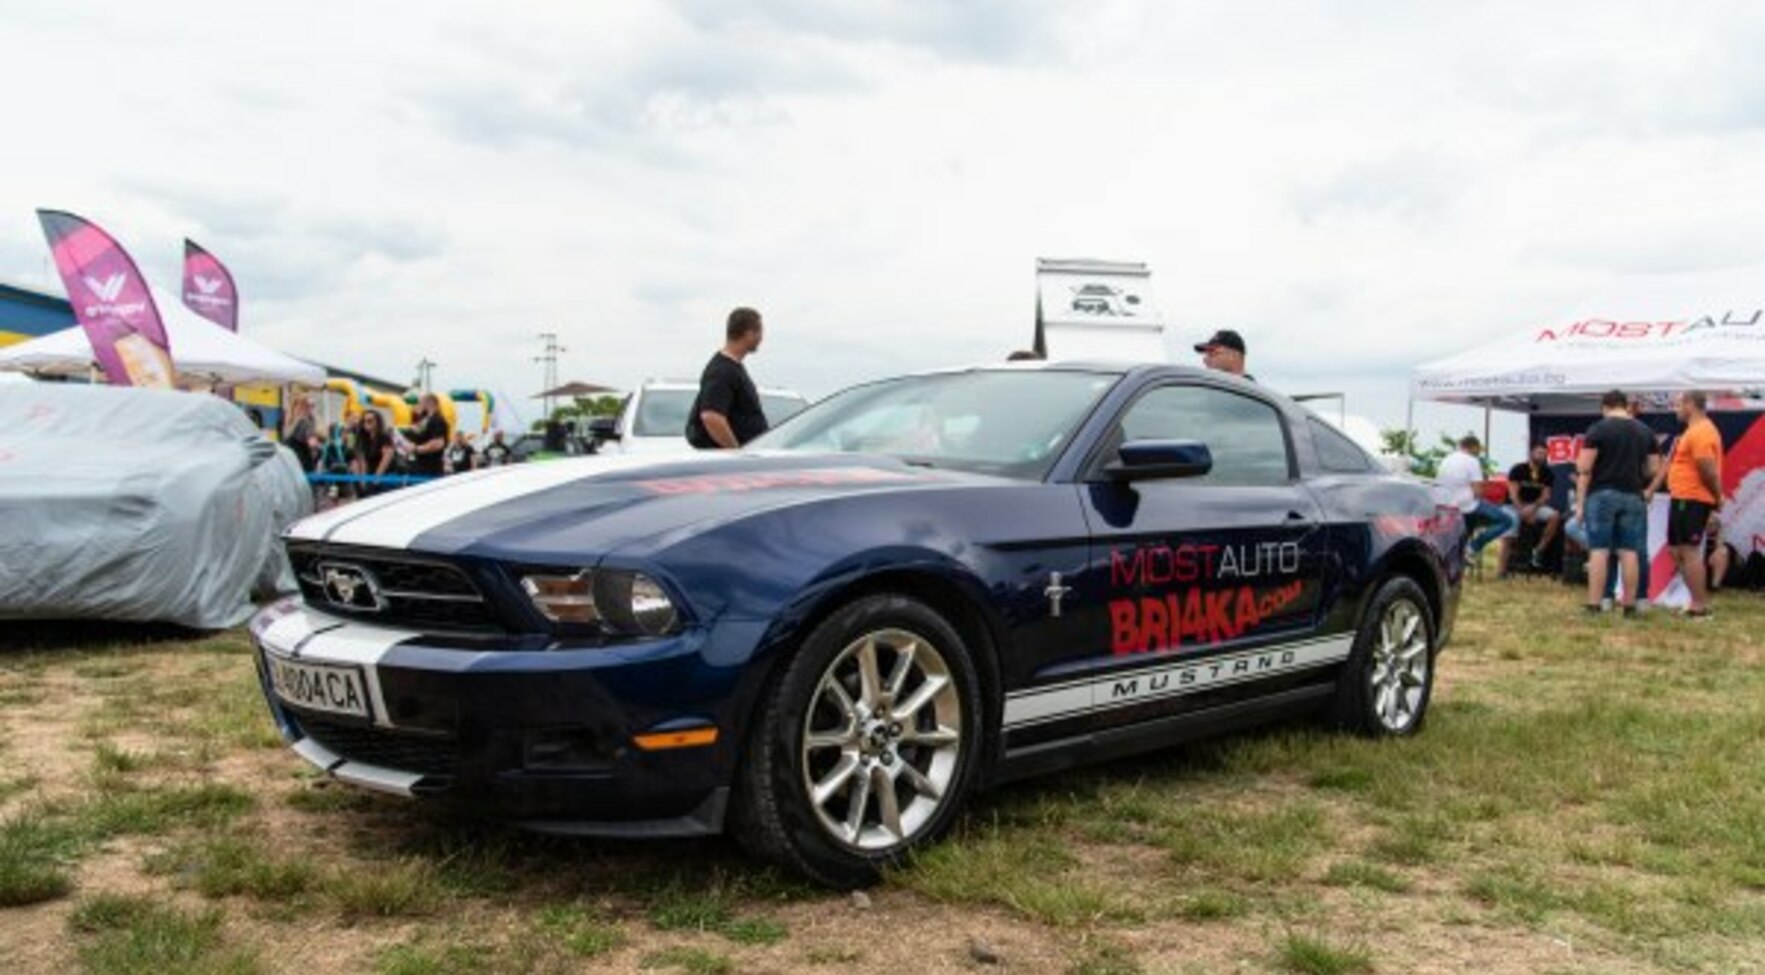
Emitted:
<point x="1694" y="482"/>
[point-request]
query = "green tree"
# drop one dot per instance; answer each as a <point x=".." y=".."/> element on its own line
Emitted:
<point x="583" y="408"/>
<point x="1425" y="462"/>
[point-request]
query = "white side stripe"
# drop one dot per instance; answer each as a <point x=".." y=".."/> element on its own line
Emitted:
<point x="1126" y="688"/>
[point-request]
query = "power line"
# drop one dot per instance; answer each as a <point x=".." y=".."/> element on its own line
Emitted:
<point x="550" y="358"/>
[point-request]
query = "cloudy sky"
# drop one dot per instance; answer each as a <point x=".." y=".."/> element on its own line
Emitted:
<point x="1357" y="186"/>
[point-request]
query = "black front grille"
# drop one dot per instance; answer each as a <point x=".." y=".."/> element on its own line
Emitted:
<point x="414" y="592"/>
<point x="421" y="754"/>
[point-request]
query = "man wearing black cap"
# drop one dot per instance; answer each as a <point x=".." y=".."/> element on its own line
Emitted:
<point x="1225" y="352"/>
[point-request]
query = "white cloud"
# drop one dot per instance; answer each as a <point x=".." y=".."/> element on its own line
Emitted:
<point x="1357" y="186"/>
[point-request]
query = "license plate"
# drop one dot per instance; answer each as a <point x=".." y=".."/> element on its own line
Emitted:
<point x="319" y="687"/>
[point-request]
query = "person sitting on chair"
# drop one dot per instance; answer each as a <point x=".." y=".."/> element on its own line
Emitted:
<point x="1529" y="494"/>
<point x="1460" y="483"/>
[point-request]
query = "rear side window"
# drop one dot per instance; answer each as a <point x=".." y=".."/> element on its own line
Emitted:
<point x="1337" y="453"/>
<point x="1245" y="435"/>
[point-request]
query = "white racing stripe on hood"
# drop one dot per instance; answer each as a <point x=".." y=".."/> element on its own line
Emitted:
<point x="315" y="528"/>
<point x="398" y="524"/>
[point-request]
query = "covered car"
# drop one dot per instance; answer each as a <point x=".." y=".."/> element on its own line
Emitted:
<point x="139" y="505"/>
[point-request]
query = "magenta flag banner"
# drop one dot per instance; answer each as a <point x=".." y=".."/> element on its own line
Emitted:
<point x="208" y="287"/>
<point x="111" y="301"/>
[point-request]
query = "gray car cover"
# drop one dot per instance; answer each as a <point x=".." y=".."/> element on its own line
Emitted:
<point x="139" y="504"/>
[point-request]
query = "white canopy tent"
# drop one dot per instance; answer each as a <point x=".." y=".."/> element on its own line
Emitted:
<point x="1643" y="334"/>
<point x="1647" y="335"/>
<point x="203" y="353"/>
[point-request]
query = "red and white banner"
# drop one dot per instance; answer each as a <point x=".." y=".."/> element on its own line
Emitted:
<point x="111" y="301"/>
<point x="208" y="287"/>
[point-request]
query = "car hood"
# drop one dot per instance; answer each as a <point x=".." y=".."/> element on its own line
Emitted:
<point x="573" y="509"/>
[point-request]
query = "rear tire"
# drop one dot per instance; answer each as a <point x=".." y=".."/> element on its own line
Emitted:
<point x="1388" y="681"/>
<point x="866" y="745"/>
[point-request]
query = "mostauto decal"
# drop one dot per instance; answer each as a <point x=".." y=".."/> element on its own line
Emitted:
<point x="818" y="477"/>
<point x="1602" y="328"/>
<point x="1205" y="607"/>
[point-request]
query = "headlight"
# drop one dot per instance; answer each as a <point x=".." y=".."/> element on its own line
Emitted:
<point x="563" y="599"/>
<point x="635" y="603"/>
<point x="611" y="601"/>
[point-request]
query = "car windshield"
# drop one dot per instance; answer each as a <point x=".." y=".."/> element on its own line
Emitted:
<point x="662" y="412"/>
<point x="1007" y="422"/>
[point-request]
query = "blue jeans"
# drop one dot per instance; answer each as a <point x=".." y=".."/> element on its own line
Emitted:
<point x="1577" y="533"/>
<point x="1618" y="521"/>
<point x="1492" y="522"/>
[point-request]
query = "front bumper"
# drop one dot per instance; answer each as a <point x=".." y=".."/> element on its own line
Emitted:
<point x="543" y="738"/>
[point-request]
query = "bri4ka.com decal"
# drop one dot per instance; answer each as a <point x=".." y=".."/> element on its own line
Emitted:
<point x="1216" y="593"/>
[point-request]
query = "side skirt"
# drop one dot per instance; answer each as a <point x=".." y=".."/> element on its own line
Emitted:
<point x="1099" y="746"/>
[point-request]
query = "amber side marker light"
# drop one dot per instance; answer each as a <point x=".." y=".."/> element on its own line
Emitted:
<point x="657" y="741"/>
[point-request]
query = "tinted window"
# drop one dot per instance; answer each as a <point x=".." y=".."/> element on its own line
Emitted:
<point x="1336" y="452"/>
<point x="1243" y="434"/>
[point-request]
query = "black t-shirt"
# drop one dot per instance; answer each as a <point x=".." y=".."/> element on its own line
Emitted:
<point x="496" y="454"/>
<point x="725" y="388"/>
<point x="459" y="457"/>
<point x="432" y="427"/>
<point x="298" y="441"/>
<point x="1624" y="446"/>
<point x="368" y="448"/>
<point x="1531" y="485"/>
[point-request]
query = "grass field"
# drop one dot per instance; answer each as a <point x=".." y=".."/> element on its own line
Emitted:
<point x="1589" y="796"/>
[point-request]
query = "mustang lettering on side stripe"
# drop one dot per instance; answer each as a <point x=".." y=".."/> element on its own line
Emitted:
<point x="1075" y="698"/>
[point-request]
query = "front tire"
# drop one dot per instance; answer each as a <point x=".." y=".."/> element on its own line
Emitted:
<point x="1388" y="681"/>
<point x="866" y="746"/>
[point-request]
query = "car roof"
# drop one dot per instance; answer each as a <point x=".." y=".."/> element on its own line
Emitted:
<point x="674" y="385"/>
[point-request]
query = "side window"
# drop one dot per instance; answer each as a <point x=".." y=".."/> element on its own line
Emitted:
<point x="1244" y="435"/>
<point x="1336" y="452"/>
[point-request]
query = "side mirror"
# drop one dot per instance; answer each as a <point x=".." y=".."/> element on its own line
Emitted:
<point x="603" y="428"/>
<point x="1149" y="459"/>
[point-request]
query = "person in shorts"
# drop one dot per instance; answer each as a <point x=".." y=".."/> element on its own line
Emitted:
<point x="1618" y="457"/>
<point x="1529" y="495"/>
<point x="1694" y="483"/>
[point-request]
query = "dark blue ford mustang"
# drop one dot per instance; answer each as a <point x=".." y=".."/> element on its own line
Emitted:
<point x="828" y="642"/>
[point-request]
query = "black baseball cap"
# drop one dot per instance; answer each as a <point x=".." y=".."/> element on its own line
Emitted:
<point x="1226" y="337"/>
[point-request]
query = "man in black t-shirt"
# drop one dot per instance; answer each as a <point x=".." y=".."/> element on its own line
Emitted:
<point x="1529" y="498"/>
<point x="428" y="437"/>
<point x="726" y="413"/>
<point x="460" y="454"/>
<point x="497" y="453"/>
<point x="1618" y="458"/>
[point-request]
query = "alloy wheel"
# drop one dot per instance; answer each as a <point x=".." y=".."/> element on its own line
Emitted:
<point x="881" y="740"/>
<point x="1400" y="663"/>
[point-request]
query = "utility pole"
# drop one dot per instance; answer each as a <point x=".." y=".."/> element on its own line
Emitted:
<point x="424" y="368"/>
<point x="550" y="358"/>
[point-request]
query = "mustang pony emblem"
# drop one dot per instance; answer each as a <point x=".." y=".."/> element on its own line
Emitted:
<point x="350" y="587"/>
